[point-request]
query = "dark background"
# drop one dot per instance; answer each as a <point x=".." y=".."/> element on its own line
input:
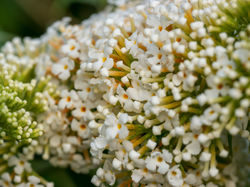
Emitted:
<point x="31" y="18"/>
<point x="61" y="177"/>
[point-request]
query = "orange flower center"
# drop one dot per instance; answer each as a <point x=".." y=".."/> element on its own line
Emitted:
<point x="159" y="56"/>
<point x="72" y="47"/>
<point x="174" y="173"/>
<point x="82" y="126"/>
<point x="68" y="99"/>
<point x="83" y="109"/>
<point x="104" y="59"/>
<point x="65" y="67"/>
<point x="88" y="89"/>
<point x="125" y="96"/>
<point x="119" y="126"/>
<point x="159" y="159"/>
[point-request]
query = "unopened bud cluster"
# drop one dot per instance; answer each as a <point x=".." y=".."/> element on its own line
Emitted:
<point x="21" y="101"/>
<point x="23" y="98"/>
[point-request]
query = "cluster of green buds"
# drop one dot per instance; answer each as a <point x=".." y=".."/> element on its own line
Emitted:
<point x="22" y="99"/>
<point x="20" y="103"/>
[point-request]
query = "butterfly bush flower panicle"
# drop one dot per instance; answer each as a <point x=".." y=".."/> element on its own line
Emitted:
<point x="160" y="76"/>
<point x="175" y="72"/>
<point x="150" y="94"/>
<point x="168" y="82"/>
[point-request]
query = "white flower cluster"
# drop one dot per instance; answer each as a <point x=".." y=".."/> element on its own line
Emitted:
<point x="22" y="174"/>
<point x="151" y="93"/>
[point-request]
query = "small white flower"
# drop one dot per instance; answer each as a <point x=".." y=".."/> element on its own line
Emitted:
<point x="157" y="163"/>
<point x="202" y="99"/>
<point x="134" y="155"/>
<point x="117" y="164"/>
<point x="5" y="180"/>
<point x="63" y="68"/>
<point x="71" y="48"/>
<point x="213" y="171"/>
<point x="190" y="179"/>
<point x="139" y="174"/>
<point x="68" y="99"/>
<point x="81" y="128"/>
<point x="113" y="127"/>
<point x="210" y="114"/>
<point x="33" y="179"/>
<point x="96" y="181"/>
<point x="66" y="147"/>
<point x="151" y="144"/>
<point x="205" y="156"/>
<point x="82" y="112"/>
<point x="195" y="123"/>
<point x="192" y="142"/>
<point x="137" y="93"/>
<point x="174" y="176"/>
<point x="55" y="141"/>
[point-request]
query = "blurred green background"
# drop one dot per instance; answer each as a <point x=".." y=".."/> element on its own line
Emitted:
<point x="61" y="177"/>
<point x="31" y="18"/>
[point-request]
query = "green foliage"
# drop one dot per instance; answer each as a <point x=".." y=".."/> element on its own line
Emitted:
<point x="32" y="17"/>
